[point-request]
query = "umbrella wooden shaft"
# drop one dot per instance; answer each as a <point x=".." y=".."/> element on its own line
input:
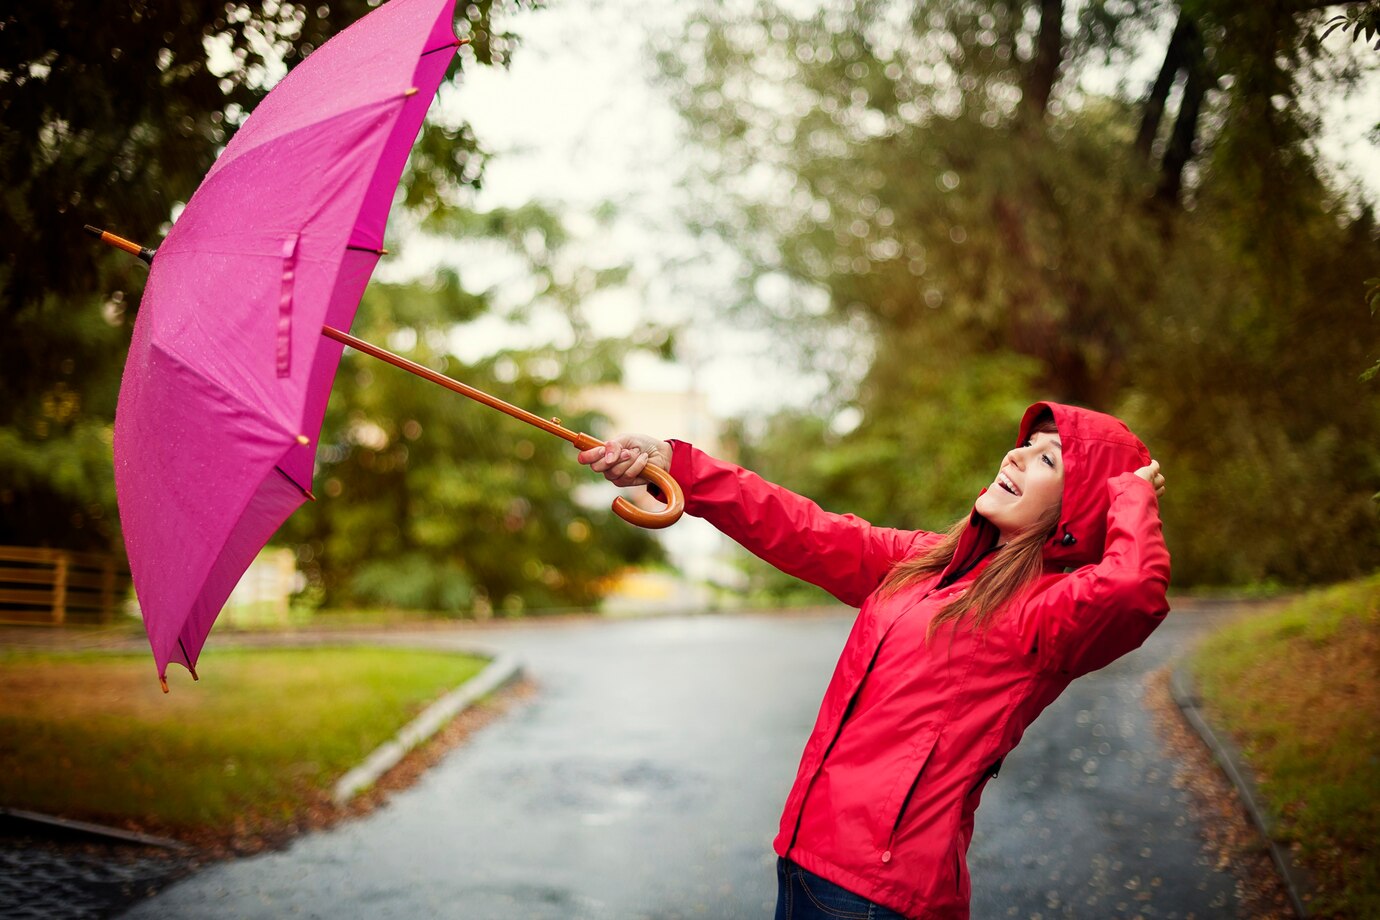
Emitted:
<point x="670" y="489"/>
<point x="550" y="426"/>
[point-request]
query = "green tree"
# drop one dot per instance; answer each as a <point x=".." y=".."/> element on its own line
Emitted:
<point x="110" y="113"/>
<point x="946" y="183"/>
<point x="432" y="501"/>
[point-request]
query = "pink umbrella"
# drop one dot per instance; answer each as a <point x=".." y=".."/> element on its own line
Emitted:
<point x="228" y="372"/>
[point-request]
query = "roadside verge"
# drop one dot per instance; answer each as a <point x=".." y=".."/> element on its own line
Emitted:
<point x="1298" y="882"/>
<point x="499" y="673"/>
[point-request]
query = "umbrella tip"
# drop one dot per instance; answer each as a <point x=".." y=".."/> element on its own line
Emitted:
<point x="94" y="231"/>
<point x="193" y="670"/>
<point x="163" y="682"/>
<point x="303" y="440"/>
<point x="411" y="92"/>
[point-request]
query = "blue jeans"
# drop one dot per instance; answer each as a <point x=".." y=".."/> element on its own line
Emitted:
<point x="802" y="895"/>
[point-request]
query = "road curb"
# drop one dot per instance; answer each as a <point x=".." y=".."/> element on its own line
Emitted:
<point x="51" y="823"/>
<point x="499" y="673"/>
<point x="1298" y="881"/>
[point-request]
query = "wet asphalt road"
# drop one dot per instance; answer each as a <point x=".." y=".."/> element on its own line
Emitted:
<point x="646" y="780"/>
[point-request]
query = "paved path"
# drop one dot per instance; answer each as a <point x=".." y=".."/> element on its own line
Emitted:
<point x="43" y="879"/>
<point x="646" y="781"/>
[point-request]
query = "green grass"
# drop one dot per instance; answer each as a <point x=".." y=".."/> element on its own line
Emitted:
<point x="1299" y="687"/>
<point x="262" y="735"/>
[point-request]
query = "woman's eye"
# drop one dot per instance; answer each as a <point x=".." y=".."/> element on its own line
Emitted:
<point x="1045" y="457"/>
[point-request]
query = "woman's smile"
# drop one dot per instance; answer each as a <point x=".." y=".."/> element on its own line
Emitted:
<point x="1028" y="485"/>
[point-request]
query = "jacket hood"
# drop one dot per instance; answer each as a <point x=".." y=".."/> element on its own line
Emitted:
<point x="1096" y="448"/>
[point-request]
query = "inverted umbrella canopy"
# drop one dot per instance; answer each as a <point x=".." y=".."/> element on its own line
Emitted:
<point x="228" y="374"/>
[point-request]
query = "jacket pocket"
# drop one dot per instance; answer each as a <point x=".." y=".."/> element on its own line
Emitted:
<point x="894" y="812"/>
<point x="962" y="883"/>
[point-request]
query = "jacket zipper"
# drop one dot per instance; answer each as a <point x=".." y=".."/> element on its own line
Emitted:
<point x="990" y="773"/>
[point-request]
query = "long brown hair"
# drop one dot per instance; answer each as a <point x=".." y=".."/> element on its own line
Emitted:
<point x="1014" y="566"/>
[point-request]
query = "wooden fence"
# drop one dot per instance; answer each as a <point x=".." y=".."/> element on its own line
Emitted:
<point x="52" y="587"/>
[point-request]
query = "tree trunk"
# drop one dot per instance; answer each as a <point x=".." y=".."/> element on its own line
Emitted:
<point x="1181" y="142"/>
<point x="1174" y="60"/>
<point x="1049" y="56"/>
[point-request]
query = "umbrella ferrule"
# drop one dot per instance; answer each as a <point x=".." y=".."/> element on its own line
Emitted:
<point x="120" y="242"/>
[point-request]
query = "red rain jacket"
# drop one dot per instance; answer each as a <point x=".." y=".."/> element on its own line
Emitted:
<point x="910" y="731"/>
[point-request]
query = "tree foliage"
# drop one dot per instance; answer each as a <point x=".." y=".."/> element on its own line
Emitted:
<point x="1360" y="19"/>
<point x="961" y="187"/>
<point x="110" y="113"/>
<point x="432" y="501"/>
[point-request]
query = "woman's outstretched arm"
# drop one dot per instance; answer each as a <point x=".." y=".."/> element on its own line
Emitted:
<point x="841" y="553"/>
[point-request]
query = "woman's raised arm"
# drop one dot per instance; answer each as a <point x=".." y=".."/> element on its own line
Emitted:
<point x="1092" y="616"/>
<point x="841" y="553"/>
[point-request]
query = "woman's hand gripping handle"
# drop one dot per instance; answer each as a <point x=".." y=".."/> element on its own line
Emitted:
<point x="635" y="460"/>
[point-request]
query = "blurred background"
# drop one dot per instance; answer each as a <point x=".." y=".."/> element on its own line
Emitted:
<point x="843" y="243"/>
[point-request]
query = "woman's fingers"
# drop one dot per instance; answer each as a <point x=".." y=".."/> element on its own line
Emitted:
<point x="612" y="452"/>
<point x="588" y="457"/>
<point x="1151" y="474"/>
<point x="605" y="456"/>
<point x="620" y="465"/>
<point x="643" y="458"/>
<point x="622" y="459"/>
<point x="622" y="471"/>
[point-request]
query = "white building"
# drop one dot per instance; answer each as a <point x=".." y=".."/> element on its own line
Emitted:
<point x="700" y="553"/>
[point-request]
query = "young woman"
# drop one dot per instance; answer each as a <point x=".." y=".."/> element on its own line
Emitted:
<point x="962" y="640"/>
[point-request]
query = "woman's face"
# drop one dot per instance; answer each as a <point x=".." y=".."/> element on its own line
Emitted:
<point x="1029" y="483"/>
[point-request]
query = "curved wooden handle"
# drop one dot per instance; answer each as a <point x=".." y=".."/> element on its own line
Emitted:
<point x="654" y="520"/>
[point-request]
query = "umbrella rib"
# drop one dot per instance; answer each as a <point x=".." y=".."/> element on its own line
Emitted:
<point x="234" y="155"/>
<point x="455" y="44"/>
<point x="188" y="657"/>
<point x="259" y="407"/>
<point x="304" y="491"/>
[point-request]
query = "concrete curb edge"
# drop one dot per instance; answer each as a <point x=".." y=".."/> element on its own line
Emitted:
<point x="1298" y="882"/>
<point x="91" y="829"/>
<point x="497" y="674"/>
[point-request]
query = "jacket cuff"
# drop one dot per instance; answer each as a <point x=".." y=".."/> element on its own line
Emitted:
<point x="1128" y="482"/>
<point x="680" y="468"/>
